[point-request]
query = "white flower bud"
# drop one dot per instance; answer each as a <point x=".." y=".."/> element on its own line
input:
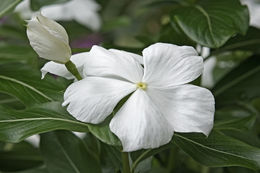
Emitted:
<point x="49" y="39"/>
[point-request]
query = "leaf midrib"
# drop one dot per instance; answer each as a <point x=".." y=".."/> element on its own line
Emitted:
<point x="43" y="118"/>
<point x="68" y="158"/>
<point x="204" y="13"/>
<point x="26" y="86"/>
<point x="212" y="149"/>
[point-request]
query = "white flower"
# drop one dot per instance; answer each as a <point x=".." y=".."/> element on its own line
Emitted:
<point x="60" y="69"/>
<point x="49" y="39"/>
<point x="161" y="101"/>
<point x="84" y="12"/>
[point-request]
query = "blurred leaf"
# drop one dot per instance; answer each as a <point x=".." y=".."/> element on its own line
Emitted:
<point x="241" y="84"/>
<point x="171" y="33"/>
<point x="139" y="156"/>
<point x="17" y="125"/>
<point x="9" y="101"/>
<point x="249" y="42"/>
<point x="37" y="4"/>
<point x="35" y="170"/>
<point x="16" y="53"/>
<point x="234" y="118"/>
<point x="63" y="152"/>
<point x="110" y="158"/>
<point x="93" y="145"/>
<point x="19" y="156"/>
<point x="227" y="61"/>
<point x="25" y="84"/>
<point x="218" y="150"/>
<point x="157" y="3"/>
<point x="212" y="22"/>
<point x="7" y="5"/>
<point x="249" y="137"/>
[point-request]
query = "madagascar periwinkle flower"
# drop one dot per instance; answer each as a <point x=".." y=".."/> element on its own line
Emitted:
<point x="161" y="101"/>
<point x="49" y="39"/>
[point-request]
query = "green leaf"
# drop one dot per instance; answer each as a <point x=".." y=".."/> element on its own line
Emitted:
<point x="139" y="156"/>
<point x="63" y="152"/>
<point x="7" y="5"/>
<point x="103" y="133"/>
<point x="111" y="158"/>
<point x="9" y="101"/>
<point x="239" y="85"/>
<point x="35" y="170"/>
<point x="234" y="118"/>
<point x="249" y="42"/>
<point x="171" y="33"/>
<point x="211" y="23"/>
<point x="218" y="150"/>
<point x="18" y="125"/>
<point x="15" y="157"/>
<point x="15" y="53"/>
<point x="25" y="83"/>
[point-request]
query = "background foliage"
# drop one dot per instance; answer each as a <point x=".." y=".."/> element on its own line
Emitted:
<point x="29" y="105"/>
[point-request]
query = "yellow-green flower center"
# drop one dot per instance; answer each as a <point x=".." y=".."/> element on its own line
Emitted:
<point x="141" y="85"/>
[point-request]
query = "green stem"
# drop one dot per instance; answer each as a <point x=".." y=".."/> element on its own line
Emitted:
<point x="73" y="69"/>
<point x="125" y="161"/>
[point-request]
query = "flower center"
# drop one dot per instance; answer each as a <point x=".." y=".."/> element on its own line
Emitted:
<point x="141" y="85"/>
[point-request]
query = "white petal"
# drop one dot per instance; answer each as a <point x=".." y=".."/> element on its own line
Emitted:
<point x="94" y="98"/>
<point x="57" y="12"/>
<point x="169" y="65"/>
<point x="140" y="125"/>
<point x="137" y="57"/>
<point x="83" y="11"/>
<point x="45" y="44"/>
<point x="187" y="108"/>
<point x="60" y="69"/>
<point x="109" y="64"/>
<point x="23" y="8"/>
<point x="89" y="19"/>
<point x="54" y="28"/>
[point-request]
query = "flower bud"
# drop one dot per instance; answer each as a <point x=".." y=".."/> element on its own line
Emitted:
<point x="49" y="39"/>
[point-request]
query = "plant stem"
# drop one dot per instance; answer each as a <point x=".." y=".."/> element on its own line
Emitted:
<point x="73" y="69"/>
<point x="125" y="161"/>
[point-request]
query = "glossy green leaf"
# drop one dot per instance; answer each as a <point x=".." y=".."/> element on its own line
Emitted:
<point x="171" y="33"/>
<point x="212" y="23"/>
<point x="25" y="83"/>
<point x="63" y="152"/>
<point x="248" y="42"/>
<point x="239" y="85"/>
<point x="218" y="150"/>
<point x="7" y="5"/>
<point x="103" y="133"/>
<point x="17" y="125"/>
